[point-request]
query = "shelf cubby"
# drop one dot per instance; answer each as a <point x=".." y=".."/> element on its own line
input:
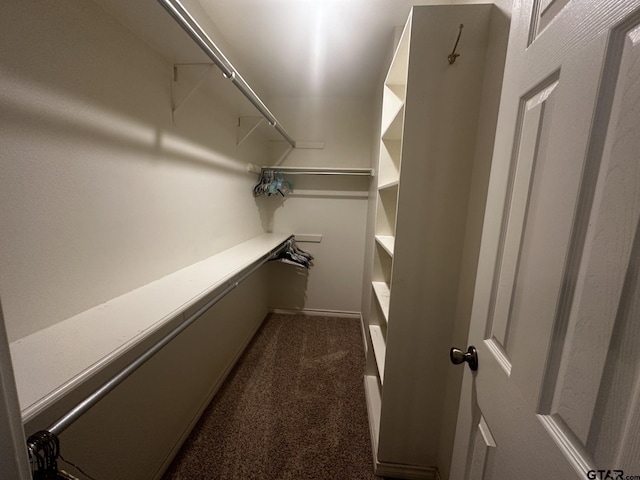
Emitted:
<point x="389" y="164"/>
<point x="392" y="102"/>
<point x="394" y="129"/>
<point x="383" y="296"/>
<point x="382" y="266"/>
<point x="386" y="211"/>
<point x="379" y="349"/>
<point x="397" y="74"/>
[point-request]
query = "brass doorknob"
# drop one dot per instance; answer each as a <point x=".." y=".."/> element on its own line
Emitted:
<point x="471" y="357"/>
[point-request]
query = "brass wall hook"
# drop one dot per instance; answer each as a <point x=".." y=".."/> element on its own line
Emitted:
<point x="453" y="55"/>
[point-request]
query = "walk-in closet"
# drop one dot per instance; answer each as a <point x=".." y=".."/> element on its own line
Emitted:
<point x="196" y="194"/>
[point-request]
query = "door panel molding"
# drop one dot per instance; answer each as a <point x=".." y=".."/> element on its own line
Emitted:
<point x="534" y="119"/>
<point x="602" y="276"/>
<point x="484" y="446"/>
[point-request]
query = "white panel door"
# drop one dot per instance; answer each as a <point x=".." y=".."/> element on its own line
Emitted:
<point x="556" y="315"/>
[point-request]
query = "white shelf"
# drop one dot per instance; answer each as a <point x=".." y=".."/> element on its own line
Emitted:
<point x="51" y="362"/>
<point x="383" y="294"/>
<point x="387" y="242"/>
<point x="392" y="184"/>
<point x="379" y="349"/>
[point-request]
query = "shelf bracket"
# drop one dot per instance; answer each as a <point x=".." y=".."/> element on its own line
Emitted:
<point x="246" y="126"/>
<point x="186" y="79"/>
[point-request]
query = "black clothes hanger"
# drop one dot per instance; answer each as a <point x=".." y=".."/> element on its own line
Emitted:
<point x="293" y="255"/>
<point x="44" y="450"/>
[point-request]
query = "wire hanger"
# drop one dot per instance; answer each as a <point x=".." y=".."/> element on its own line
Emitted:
<point x="293" y="255"/>
<point x="272" y="182"/>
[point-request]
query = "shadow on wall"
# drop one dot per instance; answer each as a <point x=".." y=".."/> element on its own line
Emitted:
<point x="267" y="207"/>
<point x="287" y="286"/>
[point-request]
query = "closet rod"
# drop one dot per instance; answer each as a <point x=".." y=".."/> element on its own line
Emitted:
<point x="358" y="172"/>
<point x="195" y="31"/>
<point x="65" y="421"/>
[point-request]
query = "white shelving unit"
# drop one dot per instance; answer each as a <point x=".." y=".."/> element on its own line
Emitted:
<point x="392" y="123"/>
<point x="423" y="176"/>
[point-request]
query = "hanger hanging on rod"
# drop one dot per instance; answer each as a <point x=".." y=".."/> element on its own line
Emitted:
<point x="196" y="32"/>
<point x="271" y="182"/>
<point x="293" y="255"/>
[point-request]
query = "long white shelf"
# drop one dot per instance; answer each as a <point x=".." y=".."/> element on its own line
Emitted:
<point x="387" y="242"/>
<point x="379" y="349"/>
<point x="383" y="294"/>
<point x="53" y="361"/>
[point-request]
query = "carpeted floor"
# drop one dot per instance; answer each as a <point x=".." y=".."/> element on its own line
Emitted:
<point x="292" y="408"/>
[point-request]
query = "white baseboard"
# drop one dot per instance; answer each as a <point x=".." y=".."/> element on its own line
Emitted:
<point x="383" y="469"/>
<point x="363" y="328"/>
<point x="313" y="312"/>
<point x="407" y="472"/>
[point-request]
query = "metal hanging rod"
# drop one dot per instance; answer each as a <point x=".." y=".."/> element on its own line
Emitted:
<point x="359" y="172"/>
<point x="74" y="414"/>
<point x="195" y="31"/>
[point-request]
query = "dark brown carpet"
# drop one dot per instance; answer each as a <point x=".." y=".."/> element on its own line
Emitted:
<point x="292" y="408"/>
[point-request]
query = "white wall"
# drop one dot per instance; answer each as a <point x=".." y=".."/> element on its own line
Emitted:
<point x="335" y="207"/>
<point x="100" y="193"/>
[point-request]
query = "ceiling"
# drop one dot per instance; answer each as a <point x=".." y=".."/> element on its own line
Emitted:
<point x="305" y="47"/>
<point x="312" y="47"/>
<point x="284" y="47"/>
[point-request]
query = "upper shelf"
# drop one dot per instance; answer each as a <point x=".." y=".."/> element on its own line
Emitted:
<point x="200" y="37"/>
